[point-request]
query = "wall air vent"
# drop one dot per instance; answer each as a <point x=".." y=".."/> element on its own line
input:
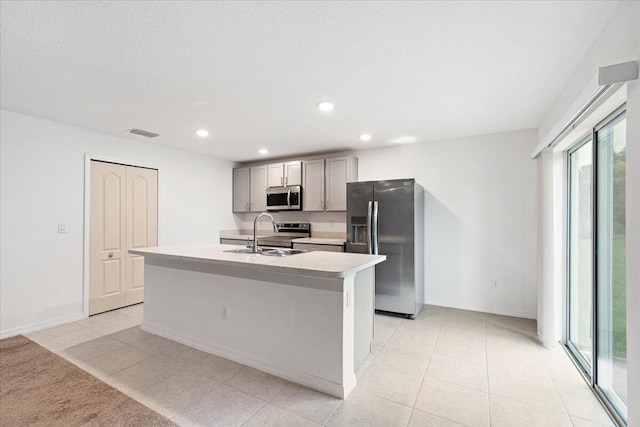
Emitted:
<point x="144" y="133"/>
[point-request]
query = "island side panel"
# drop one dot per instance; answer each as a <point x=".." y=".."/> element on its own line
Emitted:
<point x="294" y="329"/>
<point x="364" y="293"/>
<point x="348" y="336"/>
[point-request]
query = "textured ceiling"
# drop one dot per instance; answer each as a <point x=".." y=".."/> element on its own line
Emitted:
<point x="252" y="72"/>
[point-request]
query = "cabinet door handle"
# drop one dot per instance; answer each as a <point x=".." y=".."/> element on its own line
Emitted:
<point x="110" y="255"/>
<point x="286" y="180"/>
<point x="281" y="181"/>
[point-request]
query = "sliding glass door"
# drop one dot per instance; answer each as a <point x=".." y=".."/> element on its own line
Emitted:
<point x="611" y="373"/>
<point x="596" y="294"/>
<point x="580" y="327"/>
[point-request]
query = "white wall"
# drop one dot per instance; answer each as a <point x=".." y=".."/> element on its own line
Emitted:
<point x="480" y="217"/>
<point x="616" y="43"/>
<point x="42" y="183"/>
<point x="551" y="171"/>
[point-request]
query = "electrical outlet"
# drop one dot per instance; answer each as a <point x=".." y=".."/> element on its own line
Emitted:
<point x="494" y="283"/>
<point x="223" y="312"/>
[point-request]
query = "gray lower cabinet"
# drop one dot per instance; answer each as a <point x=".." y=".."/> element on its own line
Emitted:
<point x="312" y="247"/>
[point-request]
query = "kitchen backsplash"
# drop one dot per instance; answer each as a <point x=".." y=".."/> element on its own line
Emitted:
<point x="323" y="224"/>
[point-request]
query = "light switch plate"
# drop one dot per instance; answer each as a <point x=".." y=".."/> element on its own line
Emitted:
<point x="62" y="227"/>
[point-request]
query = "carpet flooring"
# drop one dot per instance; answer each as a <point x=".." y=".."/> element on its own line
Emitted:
<point x="39" y="388"/>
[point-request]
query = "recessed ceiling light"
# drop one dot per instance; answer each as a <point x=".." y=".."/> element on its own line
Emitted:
<point x="325" y="106"/>
<point x="403" y="140"/>
<point x="202" y="133"/>
<point x="365" y="137"/>
<point x="263" y="151"/>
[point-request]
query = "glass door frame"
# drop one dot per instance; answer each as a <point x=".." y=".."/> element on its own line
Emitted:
<point x="584" y="365"/>
<point x="595" y="380"/>
<point x="589" y="372"/>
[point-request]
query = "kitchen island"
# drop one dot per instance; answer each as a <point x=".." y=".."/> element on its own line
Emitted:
<point x="307" y="318"/>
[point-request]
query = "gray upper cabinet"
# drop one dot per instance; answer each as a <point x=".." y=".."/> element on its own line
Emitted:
<point x="276" y="175"/>
<point x="282" y="174"/>
<point x="313" y="185"/>
<point x="241" y="190"/>
<point x="258" y="189"/>
<point x="293" y="173"/>
<point x="324" y="183"/>
<point x="339" y="171"/>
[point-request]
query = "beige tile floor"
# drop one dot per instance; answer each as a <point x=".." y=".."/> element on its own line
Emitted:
<point x="446" y="368"/>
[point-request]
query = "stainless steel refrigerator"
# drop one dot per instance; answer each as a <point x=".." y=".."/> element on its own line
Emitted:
<point x="387" y="218"/>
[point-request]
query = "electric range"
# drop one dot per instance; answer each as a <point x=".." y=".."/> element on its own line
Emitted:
<point x="287" y="231"/>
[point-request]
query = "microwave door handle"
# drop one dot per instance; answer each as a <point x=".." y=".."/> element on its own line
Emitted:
<point x="369" y="228"/>
<point x="289" y="198"/>
<point x="375" y="228"/>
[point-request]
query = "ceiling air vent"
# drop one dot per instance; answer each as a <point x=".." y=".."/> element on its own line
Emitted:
<point x="144" y="133"/>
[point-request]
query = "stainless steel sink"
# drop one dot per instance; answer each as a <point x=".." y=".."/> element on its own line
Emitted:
<point x="268" y="251"/>
<point x="243" y="251"/>
<point x="282" y="252"/>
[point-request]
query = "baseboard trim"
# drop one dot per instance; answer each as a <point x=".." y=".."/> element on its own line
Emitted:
<point x="502" y="312"/>
<point x="313" y="382"/>
<point x="33" y="327"/>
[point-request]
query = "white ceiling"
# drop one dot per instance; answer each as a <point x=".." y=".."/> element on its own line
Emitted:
<point x="252" y="72"/>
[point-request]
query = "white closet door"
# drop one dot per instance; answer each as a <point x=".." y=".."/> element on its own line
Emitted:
<point x="124" y="215"/>
<point x="108" y="237"/>
<point x="142" y="226"/>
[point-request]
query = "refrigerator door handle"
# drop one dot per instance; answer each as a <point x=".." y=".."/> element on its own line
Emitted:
<point x="369" y="227"/>
<point x="374" y="225"/>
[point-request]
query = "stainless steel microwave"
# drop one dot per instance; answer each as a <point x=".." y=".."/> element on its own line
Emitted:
<point x="284" y="198"/>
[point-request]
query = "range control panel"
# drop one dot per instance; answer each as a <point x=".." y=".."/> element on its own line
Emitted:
<point x="294" y="227"/>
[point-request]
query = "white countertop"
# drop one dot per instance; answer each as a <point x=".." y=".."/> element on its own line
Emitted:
<point x="315" y="263"/>
<point x="320" y="241"/>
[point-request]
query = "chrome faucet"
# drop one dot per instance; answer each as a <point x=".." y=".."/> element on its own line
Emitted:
<point x="255" y="230"/>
